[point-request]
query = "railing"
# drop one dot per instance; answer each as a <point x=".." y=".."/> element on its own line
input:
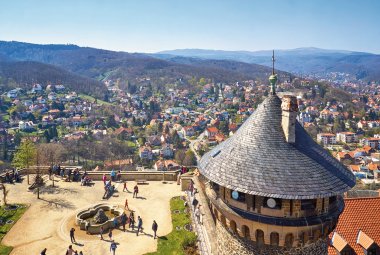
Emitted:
<point x="97" y="175"/>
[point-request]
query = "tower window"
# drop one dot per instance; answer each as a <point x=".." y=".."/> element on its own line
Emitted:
<point x="238" y="196"/>
<point x="272" y="203"/>
<point x="274" y="239"/>
<point x="308" y="204"/>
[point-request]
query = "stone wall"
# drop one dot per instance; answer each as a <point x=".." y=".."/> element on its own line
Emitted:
<point x="231" y="244"/>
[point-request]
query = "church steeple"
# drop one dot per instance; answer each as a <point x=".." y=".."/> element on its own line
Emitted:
<point x="273" y="77"/>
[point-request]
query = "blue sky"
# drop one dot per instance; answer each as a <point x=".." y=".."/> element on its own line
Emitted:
<point x="154" y="25"/>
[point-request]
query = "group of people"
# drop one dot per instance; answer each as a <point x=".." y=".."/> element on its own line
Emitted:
<point x="115" y="176"/>
<point x="109" y="188"/>
<point x="123" y="221"/>
<point x="71" y="251"/>
<point x="69" y="174"/>
<point x="12" y="176"/>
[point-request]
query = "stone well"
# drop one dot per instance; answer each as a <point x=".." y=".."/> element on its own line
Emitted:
<point x="97" y="217"/>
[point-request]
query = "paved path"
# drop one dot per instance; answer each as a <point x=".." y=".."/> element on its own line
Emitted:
<point x="192" y="142"/>
<point x="48" y="220"/>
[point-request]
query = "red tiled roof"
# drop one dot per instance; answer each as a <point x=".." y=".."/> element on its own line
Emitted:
<point x="355" y="168"/>
<point x="359" y="214"/>
<point x="212" y="129"/>
<point x="326" y="134"/>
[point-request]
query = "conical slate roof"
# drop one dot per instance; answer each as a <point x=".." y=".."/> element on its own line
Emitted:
<point x="257" y="160"/>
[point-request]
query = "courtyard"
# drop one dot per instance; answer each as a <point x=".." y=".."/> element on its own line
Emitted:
<point x="47" y="222"/>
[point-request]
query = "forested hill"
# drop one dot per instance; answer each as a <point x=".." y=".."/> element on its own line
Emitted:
<point x="25" y="73"/>
<point x="101" y="64"/>
<point x="363" y="65"/>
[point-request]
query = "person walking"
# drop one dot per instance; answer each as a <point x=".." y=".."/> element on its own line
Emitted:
<point x="118" y="176"/>
<point x="115" y="223"/>
<point x="87" y="226"/>
<point x="123" y="220"/>
<point x="139" y="225"/>
<point x="104" y="179"/>
<point x="70" y="250"/>
<point x="154" y="228"/>
<point x="125" y="186"/>
<point x="135" y="191"/>
<point x="72" y="237"/>
<point x="126" y="204"/>
<point x="113" y="175"/>
<point x="101" y="233"/>
<point x="110" y="234"/>
<point x="132" y="221"/>
<point x="43" y="252"/>
<point x="113" y="247"/>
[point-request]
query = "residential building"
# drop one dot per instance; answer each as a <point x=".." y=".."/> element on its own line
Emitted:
<point x="211" y="132"/>
<point x="326" y="138"/>
<point x="167" y="151"/>
<point x="145" y="152"/>
<point x="372" y="142"/>
<point x="346" y="137"/>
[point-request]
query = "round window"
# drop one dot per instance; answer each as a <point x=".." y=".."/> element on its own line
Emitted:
<point x="235" y="195"/>
<point x="271" y="203"/>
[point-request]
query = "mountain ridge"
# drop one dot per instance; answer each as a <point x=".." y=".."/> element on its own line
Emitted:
<point x="104" y="64"/>
<point x="299" y="61"/>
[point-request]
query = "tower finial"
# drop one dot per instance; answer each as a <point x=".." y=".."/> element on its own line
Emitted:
<point x="273" y="77"/>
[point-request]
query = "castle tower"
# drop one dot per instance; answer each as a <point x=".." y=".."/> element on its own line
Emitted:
<point x="272" y="189"/>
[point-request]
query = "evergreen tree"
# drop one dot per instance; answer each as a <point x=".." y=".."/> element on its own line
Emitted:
<point x="25" y="155"/>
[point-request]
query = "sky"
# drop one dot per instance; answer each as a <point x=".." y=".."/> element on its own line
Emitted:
<point x="156" y="25"/>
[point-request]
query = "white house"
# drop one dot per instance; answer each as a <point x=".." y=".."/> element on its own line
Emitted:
<point x="326" y="138"/>
<point x="346" y="137"/>
<point x="26" y="125"/>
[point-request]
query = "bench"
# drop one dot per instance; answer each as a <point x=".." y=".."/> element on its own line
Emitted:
<point x="141" y="181"/>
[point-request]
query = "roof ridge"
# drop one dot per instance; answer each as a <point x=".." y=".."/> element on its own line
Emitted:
<point x="362" y="198"/>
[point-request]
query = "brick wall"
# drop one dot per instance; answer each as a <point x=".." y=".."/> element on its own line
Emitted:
<point x="231" y="244"/>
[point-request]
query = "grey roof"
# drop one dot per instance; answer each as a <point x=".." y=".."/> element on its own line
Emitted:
<point x="257" y="160"/>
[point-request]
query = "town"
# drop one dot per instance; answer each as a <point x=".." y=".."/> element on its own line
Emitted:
<point x="164" y="131"/>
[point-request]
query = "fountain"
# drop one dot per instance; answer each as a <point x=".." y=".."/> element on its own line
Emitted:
<point x="101" y="215"/>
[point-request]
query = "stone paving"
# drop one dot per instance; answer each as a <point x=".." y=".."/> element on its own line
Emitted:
<point x="47" y="222"/>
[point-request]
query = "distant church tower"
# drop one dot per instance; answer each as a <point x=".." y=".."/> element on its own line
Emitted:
<point x="272" y="189"/>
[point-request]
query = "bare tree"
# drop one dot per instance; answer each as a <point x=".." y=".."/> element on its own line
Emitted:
<point x="5" y="193"/>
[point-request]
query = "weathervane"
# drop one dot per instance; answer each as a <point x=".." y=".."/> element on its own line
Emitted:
<point x="273" y="77"/>
<point x="273" y="60"/>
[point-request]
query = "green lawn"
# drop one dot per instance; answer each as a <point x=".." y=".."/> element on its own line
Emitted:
<point x="178" y="242"/>
<point x="5" y="216"/>
<point x="92" y="99"/>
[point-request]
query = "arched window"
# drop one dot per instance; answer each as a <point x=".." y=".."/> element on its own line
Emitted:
<point x="245" y="232"/>
<point x="260" y="237"/>
<point x="274" y="238"/>
<point x="304" y="237"/>
<point x="233" y="226"/>
<point x="326" y="230"/>
<point x="289" y="240"/>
